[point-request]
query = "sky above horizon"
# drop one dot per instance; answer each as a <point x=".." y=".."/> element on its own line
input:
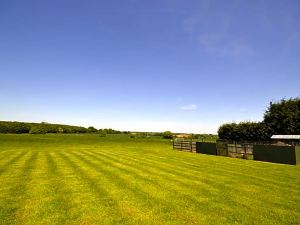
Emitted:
<point x="141" y="65"/>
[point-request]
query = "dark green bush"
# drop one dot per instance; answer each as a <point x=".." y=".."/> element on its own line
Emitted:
<point x="167" y="135"/>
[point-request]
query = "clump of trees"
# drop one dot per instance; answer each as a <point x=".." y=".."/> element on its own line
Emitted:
<point x="282" y="117"/>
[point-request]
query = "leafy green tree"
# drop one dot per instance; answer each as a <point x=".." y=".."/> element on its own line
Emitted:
<point x="167" y="135"/>
<point x="283" y="117"/>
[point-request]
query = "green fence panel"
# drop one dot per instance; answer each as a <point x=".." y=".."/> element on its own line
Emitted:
<point x="222" y="148"/>
<point x="297" y="150"/>
<point x="276" y="154"/>
<point x="206" y="148"/>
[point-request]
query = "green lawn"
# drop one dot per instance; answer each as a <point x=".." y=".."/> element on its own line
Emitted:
<point x="86" y="179"/>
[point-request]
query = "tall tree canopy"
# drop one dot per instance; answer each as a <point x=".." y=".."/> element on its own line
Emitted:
<point x="283" y="117"/>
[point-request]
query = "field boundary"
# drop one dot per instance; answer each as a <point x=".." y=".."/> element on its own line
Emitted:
<point x="252" y="151"/>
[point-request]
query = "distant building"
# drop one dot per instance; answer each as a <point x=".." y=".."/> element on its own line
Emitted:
<point x="286" y="139"/>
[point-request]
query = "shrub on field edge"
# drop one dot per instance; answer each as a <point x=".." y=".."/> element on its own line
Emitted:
<point x="167" y="135"/>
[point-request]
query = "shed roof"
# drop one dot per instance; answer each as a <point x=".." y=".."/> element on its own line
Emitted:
<point x="294" y="137"/>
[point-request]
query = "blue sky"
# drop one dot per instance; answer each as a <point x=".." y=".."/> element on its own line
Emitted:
<point x="184" y="66"/>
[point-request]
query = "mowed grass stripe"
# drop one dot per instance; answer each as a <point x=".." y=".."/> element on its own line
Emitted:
<point x="14" y="157"/>
<point x="147" y="194"/>
<point x="104" y="200"/>
<point x="151" y="174"/>
<point x="189" y="207"/>
<point x="247" y="175"/>
<point x="122" y="195"/>
<point x="185" y="159"/>
<point x="189" y="200"/>
<point x="148" y="172"/>
<point x="10" y="207"/>
<point x="225" y="164"/>
<point x="105" y="166"/>
<point x="235" y="190"/>
<point x="5" y="155"/>
<point x="10" y="171"/>
<point x="231" y="184"/>
<point x="84" y="179"/>
<point x="47" y="200"/>
<point x="167" y="169"/>
<point x="35" y="206"/>
<point x="88" y="201"/>
<point x="190" y="203"/>
<point x="185" y="177"/>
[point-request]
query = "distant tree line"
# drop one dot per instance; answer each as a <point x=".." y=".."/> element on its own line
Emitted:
<point x="14" y="127"/>
<point x="8" y="127"/>
<point x="282" y="117"/>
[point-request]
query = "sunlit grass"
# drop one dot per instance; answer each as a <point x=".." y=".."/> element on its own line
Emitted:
<point x="87" y="179"/>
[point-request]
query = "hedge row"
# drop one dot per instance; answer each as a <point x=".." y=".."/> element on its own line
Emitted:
<point x="249" y="131"/>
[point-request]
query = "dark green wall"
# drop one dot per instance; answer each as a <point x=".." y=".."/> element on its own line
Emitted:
<point x="276" y="154"/>
<point x="206" y="148"/>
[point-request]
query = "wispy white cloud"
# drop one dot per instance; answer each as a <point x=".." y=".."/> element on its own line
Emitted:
<point x="224" y="45"/>
<point x="214" y="36"/>
<point x="191" y="107"/>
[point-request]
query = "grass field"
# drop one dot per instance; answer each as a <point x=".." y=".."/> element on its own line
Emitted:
<point x="86" y="179"/>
